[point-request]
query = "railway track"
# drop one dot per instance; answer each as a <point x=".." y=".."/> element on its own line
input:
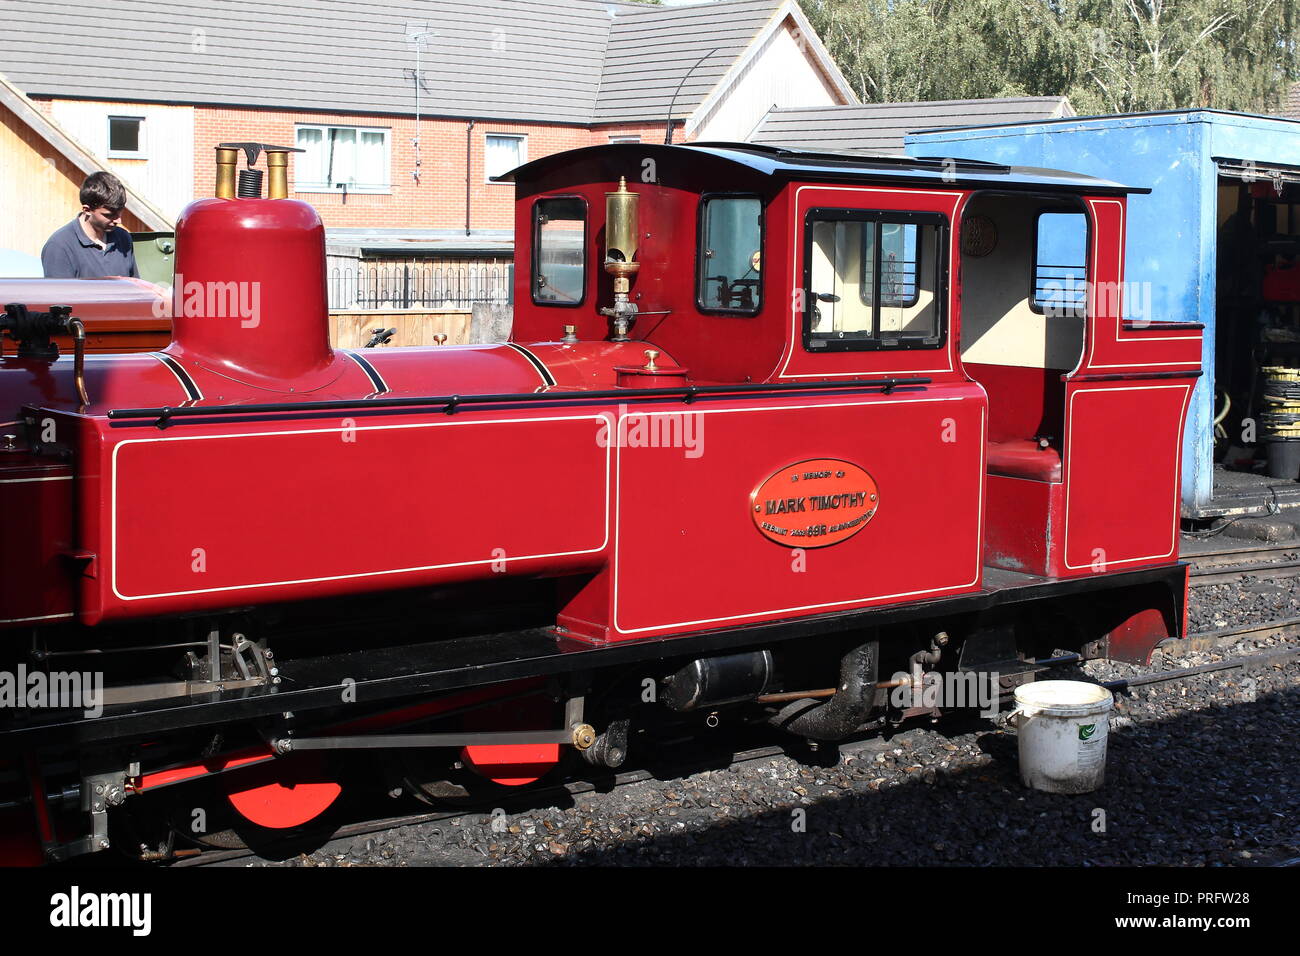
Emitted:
<point x="531" y="798"/>
<point x="1225" y="565"/>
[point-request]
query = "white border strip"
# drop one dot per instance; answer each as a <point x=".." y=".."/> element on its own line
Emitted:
<point x="863" y="600"/>
<point x="602" y="418"/>
<point x="796" y="330"/>
<point x="1177" y="458"/>
<point x="1094" y="319"/>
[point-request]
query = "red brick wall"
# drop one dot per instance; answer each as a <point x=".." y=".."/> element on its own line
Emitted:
<point x="437" y="201"/>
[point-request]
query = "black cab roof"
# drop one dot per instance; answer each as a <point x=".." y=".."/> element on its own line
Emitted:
<point x="852" y="166"/>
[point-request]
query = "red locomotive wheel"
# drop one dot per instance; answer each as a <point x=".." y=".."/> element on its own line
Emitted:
<point x="514" y="765"/>
<point x="284" y="793"/>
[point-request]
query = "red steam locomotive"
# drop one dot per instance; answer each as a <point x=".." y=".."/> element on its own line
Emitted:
<point x="771" y="426"/>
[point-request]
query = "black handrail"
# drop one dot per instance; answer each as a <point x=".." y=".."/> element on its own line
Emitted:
<point x="688" y="393"/>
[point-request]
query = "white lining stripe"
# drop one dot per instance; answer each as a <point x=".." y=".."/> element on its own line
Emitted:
<point x="191" y="388"/>
<point x="600" y="417"/>
<point x="796" y="333"/>
<point x="1095" y="321"/>
<point x="1178" y="438"/>
<point x="538" y="365"/>
<point x="862" y="600"/>
<point x="372" y="373"/>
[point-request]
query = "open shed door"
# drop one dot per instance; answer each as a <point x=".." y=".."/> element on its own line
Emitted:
<point x="1257" y="336"/>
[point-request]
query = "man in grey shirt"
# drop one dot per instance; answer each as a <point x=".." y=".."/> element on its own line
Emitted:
<point x="93" y="244"/>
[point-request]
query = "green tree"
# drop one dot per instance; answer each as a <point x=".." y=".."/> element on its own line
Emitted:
<point x="1108" y="56"/>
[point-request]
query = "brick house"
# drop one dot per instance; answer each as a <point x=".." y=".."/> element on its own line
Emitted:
<point x="404" y="109"/>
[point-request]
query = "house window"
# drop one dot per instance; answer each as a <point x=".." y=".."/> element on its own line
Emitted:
<point x="874" y="280"/>
<point x="342" y="157"/>
<point x="504" y="153"/>
<point x="625" y="138"/>
<point x="1060" y="264"/>
<point x="126" y="137"/>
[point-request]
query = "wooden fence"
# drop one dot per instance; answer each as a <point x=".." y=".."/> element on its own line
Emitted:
<point x="484" y="323"/>
<point x="352" y="330"/>
<point x="418" y="285"/>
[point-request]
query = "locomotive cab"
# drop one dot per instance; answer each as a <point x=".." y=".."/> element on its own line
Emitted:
<point x="763" y="265"/>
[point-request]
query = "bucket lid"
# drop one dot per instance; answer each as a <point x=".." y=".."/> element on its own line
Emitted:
<point x="1063" y="698"/>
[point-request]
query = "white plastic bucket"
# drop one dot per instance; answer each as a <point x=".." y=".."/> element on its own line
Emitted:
<point x="1062" y="726"/>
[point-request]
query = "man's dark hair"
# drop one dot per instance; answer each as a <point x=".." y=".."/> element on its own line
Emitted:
<point x="103" y="189"/>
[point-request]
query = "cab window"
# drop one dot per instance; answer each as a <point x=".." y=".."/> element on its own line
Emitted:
<point x="1060" y="263"/>
<point x="730" y="255"/>
<point x="874" y="280"/>
<point x="559" y="251"/>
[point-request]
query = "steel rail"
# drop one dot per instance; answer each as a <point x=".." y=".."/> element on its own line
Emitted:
<point x="1230" y="557"/>
<point x="1200" y="577"/>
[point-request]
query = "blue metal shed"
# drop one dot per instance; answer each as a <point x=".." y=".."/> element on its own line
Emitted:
<point x="1172" y="233"/>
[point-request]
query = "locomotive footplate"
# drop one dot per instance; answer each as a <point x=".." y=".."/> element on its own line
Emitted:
<point x="419" y="670"/>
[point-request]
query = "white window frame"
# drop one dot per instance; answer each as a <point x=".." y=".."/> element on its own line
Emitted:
<point x="321" y="188"/>
<point x="523" y="154"/>
<point x="139" y="152"/>
<point x="625" y="137"/>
